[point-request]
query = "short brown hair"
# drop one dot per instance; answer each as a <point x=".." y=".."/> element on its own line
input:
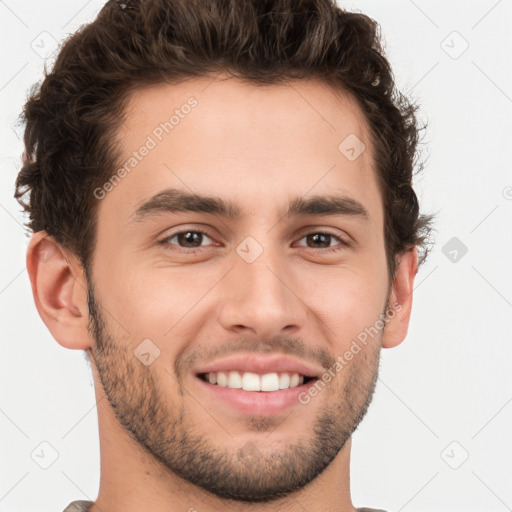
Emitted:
<point x="72" y="115"/>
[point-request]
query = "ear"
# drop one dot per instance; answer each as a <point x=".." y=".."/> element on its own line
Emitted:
<point x="400" y="300"/>
<point x="60" y="291"/>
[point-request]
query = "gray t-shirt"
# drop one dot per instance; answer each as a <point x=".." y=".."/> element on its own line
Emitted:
<point x="83" y="506"/>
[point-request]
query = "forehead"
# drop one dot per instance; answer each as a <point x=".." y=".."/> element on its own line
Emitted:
<point x="259" y="146"/>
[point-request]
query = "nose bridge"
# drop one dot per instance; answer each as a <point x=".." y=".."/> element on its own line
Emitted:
<point x="260" y="290"/>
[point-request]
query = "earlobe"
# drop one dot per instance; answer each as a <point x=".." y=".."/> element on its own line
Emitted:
<point x="400" y="301"/>
<point x="59" y="290"/>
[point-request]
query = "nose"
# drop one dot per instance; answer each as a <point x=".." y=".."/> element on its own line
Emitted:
<point x="260" y="297"/>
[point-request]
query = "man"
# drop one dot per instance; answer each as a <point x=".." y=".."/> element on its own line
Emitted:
<point x="224" y="220"/>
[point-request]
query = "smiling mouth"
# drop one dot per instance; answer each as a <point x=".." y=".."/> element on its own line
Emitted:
<point x="249" y="381"/>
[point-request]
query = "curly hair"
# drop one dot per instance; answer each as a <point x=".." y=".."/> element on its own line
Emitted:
<point x="71" y="116"/>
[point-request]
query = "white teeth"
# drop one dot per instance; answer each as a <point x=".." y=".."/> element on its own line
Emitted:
<point x="284" y="381"/>
<point x="294" y="380"/>
<point x="270" y="382"/>
<point x="254" y="382"/>
<point x="222" y="379"/>
<point x="234" y="380"/>
<point x="251" y="382"/>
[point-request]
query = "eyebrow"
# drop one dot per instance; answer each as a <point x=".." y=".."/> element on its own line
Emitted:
<point x="178" y="201"/>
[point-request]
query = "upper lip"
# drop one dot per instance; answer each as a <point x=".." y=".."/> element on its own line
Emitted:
<point x="261" y="364"/>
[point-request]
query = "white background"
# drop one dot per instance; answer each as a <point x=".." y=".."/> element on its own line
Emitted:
<point x="444" y="394"/>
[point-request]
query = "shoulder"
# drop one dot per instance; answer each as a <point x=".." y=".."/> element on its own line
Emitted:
<point x="78" y="506"/>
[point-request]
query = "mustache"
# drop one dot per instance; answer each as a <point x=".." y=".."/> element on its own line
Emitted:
<point x="277" y="345"/>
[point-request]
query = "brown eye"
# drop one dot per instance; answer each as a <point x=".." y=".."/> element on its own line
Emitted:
<point x="190" y="239"/>
<point x="322" y="240"/>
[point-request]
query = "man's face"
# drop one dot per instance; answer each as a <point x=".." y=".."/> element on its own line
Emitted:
<point x="282" y="289"/>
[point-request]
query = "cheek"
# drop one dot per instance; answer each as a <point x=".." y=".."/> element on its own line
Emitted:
<point x="157" y="303"/>
<point x="346" y="301"/>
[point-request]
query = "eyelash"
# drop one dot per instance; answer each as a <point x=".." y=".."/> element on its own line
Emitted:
<point x="343" y="243"/>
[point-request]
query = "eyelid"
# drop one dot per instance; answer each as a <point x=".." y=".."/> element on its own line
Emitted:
<point x="344" y="241"/>
<point x="338" y="233"/>
<point x="202" y="230"/>
<point x="183" y="229"/>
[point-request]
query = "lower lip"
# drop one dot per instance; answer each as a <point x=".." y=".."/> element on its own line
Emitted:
<point x="259" y="403"/>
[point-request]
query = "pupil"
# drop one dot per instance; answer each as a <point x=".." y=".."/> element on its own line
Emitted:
<point x="189" y="236"/>
<point x="322" y="235"/>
